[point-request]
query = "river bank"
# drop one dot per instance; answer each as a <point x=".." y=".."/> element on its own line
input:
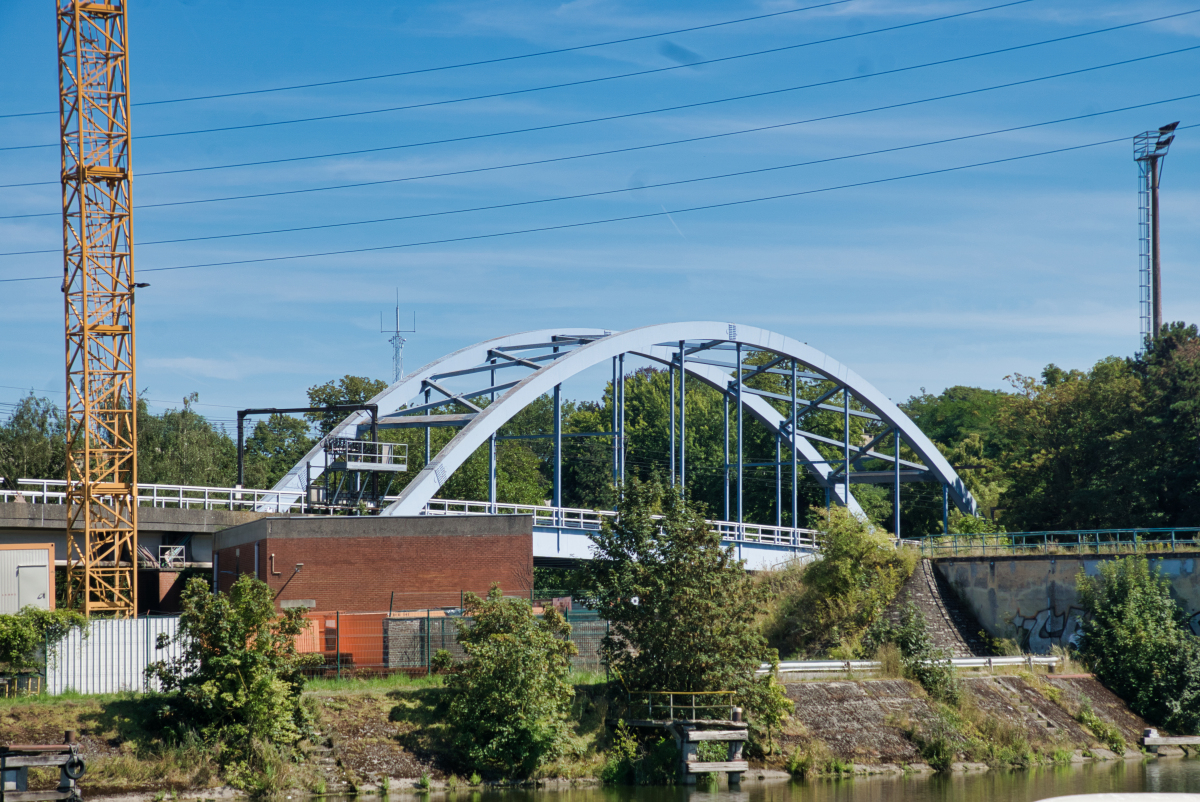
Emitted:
<point x="389" y="735"/>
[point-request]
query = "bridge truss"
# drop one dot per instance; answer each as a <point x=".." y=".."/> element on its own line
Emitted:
<point x="478" y="389"/>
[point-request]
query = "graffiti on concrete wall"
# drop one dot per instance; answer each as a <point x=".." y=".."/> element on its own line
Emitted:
<point x="1047" y="629"/>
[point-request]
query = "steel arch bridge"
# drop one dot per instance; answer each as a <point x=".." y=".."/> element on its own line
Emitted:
<point x="513" y="371"/>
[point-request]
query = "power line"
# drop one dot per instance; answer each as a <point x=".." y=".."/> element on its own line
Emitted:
<point x="756" y="129"/>
<point x="600" y="193"/>
<point x="626" y="218"/>
<point x="509" y="93"/>
<point x="483" y="62"/>
<point x="345" y="115"/>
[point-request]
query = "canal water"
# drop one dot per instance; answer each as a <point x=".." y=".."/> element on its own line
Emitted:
<point x="1175" y="775"/>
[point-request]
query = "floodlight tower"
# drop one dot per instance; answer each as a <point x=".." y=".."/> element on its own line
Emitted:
<point x="1149" y="151"/>
<point x="98" y="287"/>
<point x="397" y="341"/>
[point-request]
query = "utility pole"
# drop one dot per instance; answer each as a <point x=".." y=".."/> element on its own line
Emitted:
<point x="1149" y="151"/>
<point x="98" y="288"/>
<point x="397" y="341"/>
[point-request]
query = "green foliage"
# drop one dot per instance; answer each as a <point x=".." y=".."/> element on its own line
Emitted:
<point x="442" y="661"/>
<point x="1135" y="639"/>
<point x="346" y="390"/>
<point x="32" y="442"/>
<point x="181" y="447"/>
<point x="238" y="680"/>
<point x="273" y="447"/>
<point x="830" y="602"/>
<point x="651" y="761"/>
<point x="929" y="667"/>
<point x="1110" y="734"/>
<point x="474" y="779"/>
<point x="24" y="636"/>
<point x="681" y="609"/>
<point x="510" y="701"/>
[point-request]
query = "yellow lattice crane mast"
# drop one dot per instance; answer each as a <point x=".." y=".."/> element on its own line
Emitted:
<point x="93" y="68"/>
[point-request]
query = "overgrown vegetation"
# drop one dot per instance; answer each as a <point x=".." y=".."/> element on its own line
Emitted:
<point x="824" y="607"/>
<point x="920" y="661"/>
<point x="510" y="700"/>
<point x="25" y="637"/>
<point x="682" y="610"/>
<point x="1136" y="640"/>
<point x="237" y="683"/>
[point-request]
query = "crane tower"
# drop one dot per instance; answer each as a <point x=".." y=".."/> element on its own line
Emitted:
<point x="93" y="68"/>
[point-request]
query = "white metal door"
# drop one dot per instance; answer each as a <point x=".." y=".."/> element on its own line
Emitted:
<point x="33" y="586"/>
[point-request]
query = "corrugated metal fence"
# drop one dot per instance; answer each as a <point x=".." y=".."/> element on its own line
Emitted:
<point x="114" y="654"/>
<point x="111" y="657"/>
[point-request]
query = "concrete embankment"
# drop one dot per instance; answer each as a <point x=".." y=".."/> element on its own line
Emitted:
<point x="887" y="724"/>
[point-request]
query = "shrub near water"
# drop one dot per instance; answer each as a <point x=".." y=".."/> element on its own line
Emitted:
<point x="1136" y="640"/>
<point x="510" y="701"/>
<point x="238" y="680"/>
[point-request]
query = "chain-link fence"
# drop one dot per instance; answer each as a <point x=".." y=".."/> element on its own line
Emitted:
<point x="113" y="654"/>
<point x="364" y="644"/>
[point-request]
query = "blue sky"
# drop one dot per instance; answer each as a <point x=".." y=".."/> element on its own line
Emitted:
<point x="959" y="278"/>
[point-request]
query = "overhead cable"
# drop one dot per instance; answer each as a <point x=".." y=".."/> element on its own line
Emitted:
<point x="600" y="193"/>
<point x="359" y="152"/>
<point x="346" y="115"/>
<point x="498" y="60"/>
<point x="605" y="221"/>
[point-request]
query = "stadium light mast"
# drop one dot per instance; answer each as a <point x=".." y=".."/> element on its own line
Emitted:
<point x="1149" y="151"/>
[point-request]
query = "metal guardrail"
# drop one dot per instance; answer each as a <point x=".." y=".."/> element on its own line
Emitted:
<point x="864" y="666"/>
<point x="1081" y="541"/>
<point x="53" y="491"/>
<point x="592" y="520"/>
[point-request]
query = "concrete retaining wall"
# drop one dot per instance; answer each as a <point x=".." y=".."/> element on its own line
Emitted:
<point x="1033" y="599"/>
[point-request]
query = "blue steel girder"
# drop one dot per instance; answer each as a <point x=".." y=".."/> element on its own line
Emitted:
<point x="412" y="387"/>
<point x="589" y="348"/>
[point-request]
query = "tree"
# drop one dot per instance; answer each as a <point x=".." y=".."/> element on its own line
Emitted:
<point x="238" y="679"/>
<point x="275" y="445"/>
<point x="32" y="442"/>
<point x="1136" y="640"/>
<point x="346" y="390"/>
<point x="682" y="611"/>
<point x="510" y="700"/>
<point x="181" y="447"/>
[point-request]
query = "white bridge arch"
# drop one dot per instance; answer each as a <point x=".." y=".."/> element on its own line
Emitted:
<point x="540" y="361"/>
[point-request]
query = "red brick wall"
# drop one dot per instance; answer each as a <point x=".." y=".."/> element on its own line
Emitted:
<point x="359" y="574"/>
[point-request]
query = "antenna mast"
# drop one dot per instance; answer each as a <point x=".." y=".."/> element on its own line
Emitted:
<point x="397" y="341"/>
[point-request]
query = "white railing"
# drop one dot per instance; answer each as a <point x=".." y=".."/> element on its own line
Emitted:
<point x="591" y="520"/>
<point x="54" y="491"/>
<point x="870" y="666"/>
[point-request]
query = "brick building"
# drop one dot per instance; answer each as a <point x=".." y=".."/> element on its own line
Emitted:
<point x="374" y="564"/>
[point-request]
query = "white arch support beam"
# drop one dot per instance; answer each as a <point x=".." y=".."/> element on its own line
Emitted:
<point x="581" y="349"/>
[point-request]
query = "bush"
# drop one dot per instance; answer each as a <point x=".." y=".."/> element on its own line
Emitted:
<point x="25" y="636"/>
<point x="634" y="762"/>
<point x="238" y="680"/>
<point x="826" y="605"/>
<point x="1110" y="734"/>
<point x="1136" y="641"/>
<point x="510" y="700"/>
<point x="441" y="662"/>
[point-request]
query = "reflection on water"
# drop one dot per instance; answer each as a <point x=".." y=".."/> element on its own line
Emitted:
<point x="1167" y="775"/>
